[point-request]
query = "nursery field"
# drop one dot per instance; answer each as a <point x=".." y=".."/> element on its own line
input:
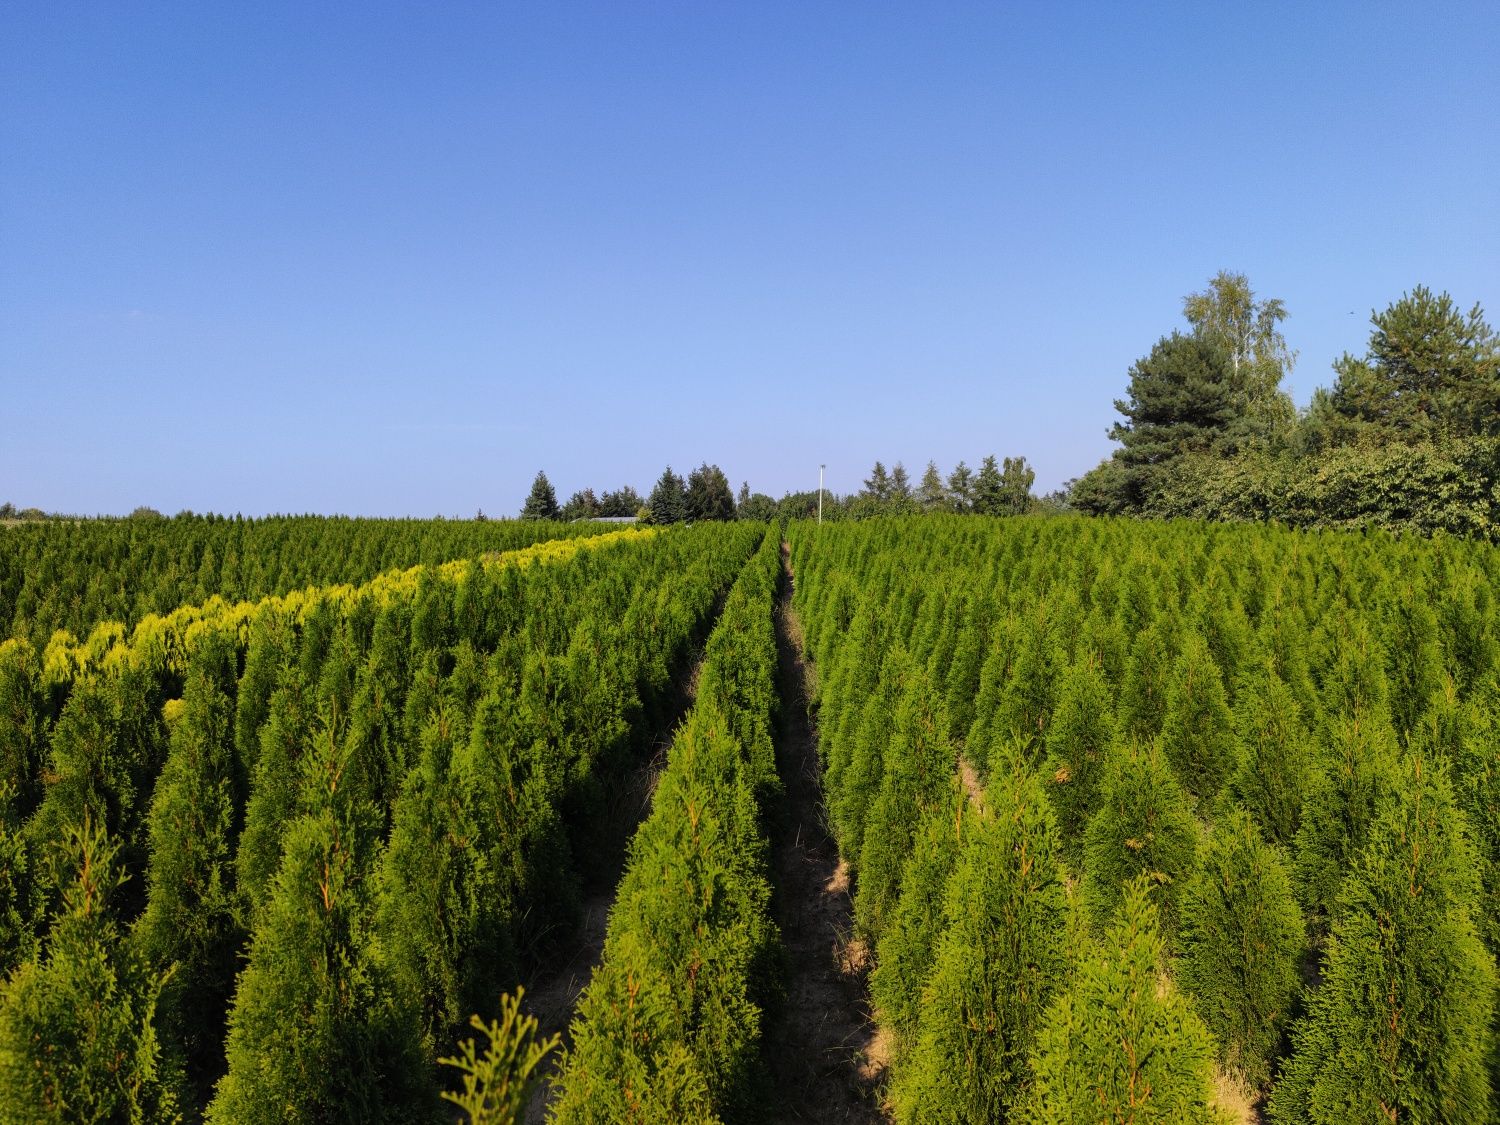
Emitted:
<point x="935" y="819"/>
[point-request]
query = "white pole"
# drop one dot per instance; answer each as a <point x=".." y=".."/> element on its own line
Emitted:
<point x="820" y="492"/>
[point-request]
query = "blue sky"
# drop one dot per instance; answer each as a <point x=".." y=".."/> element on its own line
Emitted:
<point x="393" y="259"/>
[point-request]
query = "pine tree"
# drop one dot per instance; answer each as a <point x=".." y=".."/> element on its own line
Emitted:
<point x="1077" y="743"/>
<point x="1197" y="733"/>
<point x="1399" y="1028"/>
<point x="1120" y="1043"/>
<point x="1143" y="826"/>
<point x="541" y="502"/>
<point x="190" y="918"/>
<point x="77" y="1041"/>
<point x="1006" y="952"/>
<point x="1241" y="942"/>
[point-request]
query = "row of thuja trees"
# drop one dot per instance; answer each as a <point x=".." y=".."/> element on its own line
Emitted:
<point x="669" y="1028"/>
<point x="1153" y="822"/>
<point x="73" y="574"/>
<point x="260" y="862"/>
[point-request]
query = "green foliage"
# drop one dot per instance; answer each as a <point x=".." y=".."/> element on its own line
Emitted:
<point x="190" y="919"/>
<point x="904" y="954"/>
<point x="499" y="1083"/>
<point x="708" y="494"/>
<point x="1271" y="774"/>
<point x="1006" y="952"/>
<point x="1143" y="826"/>
<point x="1398" y="1031"/>
<point x="1430" y="370"/>
<point x="916" y="775"/>
<point x="313" y="1033"/>
<point x="1078" y="742"/>
<point x="668" y="500"/>
<point x="1241" y="941"/>
<point x="541" y="501"/>
<point x="1121" y="1043"/>
<point x="1351" y="781"/>
<point x="77" y="1034"/>
<point x="1197" y="731"/>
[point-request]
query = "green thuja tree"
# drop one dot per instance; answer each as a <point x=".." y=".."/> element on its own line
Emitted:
<point x="1025" y="703"/>
<point x="1353" y="778"/>
<point x="314" y="1035"/>
<point x="917" y="776"/>
<point x="191" y="916"/>
<point x="1005" y="953"/>
<point x="22" y="730"/>
<point x="1414" y="659"/>
<point x="904" y="954"/>
<point x="275" y="792"/>
<point x="1121" y="1043"/>
<point x="1241" y="943"/>
<point x="1197" y="730"/>
<point x="77" y="1026"/>
<point x="1078" y="742"/>
<point x="1144" y="826"/>
<point x="1143" y="695"/>
<point x="1398" y="1030"/>
<point x="1270" y="776"/>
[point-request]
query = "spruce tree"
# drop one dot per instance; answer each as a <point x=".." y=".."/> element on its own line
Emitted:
<point x="1143" y="826"/>
<point x="77" y="1034"/>
<point x="1399" y="1028"/>
<point x="541" y="501"/>
<point x="1197" y="733"/>
<point x="1077" y="743"/>
<point x="1120" y="1043"/>
<point x="1006" y="951"/>
<point x="1241" y="941"/>
<point x="989" y="489"/>
<point x="931" y="495"/>
<point x="668" y="500"/>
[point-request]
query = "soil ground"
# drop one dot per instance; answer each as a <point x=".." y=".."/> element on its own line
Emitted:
<point x="826" y="1062"/>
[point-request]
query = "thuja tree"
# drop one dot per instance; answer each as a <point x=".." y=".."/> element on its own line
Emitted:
<point x="917" y="775"/>
<point x="1241" y="940"/>
<point x="1197" y="732"/>
<point x="904" y="955"/>
<point x="275" y="789"/>
<point x="1004" y="954"/>
<point x="1399" y="1029"/>
<point x="191" y="908"/>
<point x="313" y="1034"/>
<point x="77" y="1041"/>
<point x="1143" y="826"/>
<point x="1121" y="1043"/>
<point x="1270" y="776"/>
<point x="1078" y="742"/>
<point x="1353" y="778"/>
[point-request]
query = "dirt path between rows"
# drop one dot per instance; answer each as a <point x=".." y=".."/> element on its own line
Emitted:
<point x="822" y="1050"/>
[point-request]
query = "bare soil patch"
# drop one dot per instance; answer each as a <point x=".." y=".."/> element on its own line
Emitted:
<point x="826" y="1061"/>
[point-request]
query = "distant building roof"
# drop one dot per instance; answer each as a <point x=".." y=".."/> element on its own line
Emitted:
<point x="607" y="519"/>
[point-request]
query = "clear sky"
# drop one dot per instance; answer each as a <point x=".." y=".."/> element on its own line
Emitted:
<point x="393" y="259"/>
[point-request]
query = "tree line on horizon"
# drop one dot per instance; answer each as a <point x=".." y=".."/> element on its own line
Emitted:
<point x="1407" y="436"/>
